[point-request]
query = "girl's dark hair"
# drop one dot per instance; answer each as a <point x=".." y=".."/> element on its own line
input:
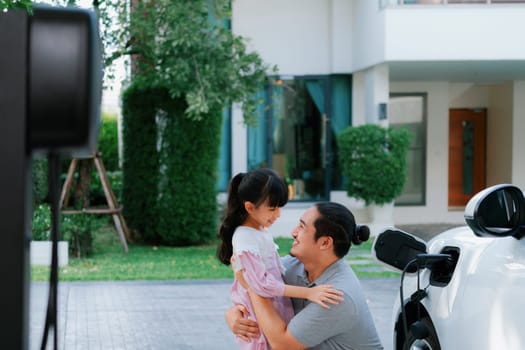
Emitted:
<point x="336" y="221"/>
<point x="257" y="186"/>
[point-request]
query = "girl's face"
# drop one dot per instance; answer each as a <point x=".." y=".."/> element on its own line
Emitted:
<point x="261" y="216"/>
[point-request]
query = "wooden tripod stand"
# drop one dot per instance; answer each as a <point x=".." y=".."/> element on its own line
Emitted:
<point x="113" y="209"/>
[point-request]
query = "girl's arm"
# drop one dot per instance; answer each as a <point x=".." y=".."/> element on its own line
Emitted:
<point x="322" y="294"/>
<point x="261" y="281"/>
<point x="265" y="285"/>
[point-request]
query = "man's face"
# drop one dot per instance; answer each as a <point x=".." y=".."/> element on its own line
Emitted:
<point x="304" y="244"/>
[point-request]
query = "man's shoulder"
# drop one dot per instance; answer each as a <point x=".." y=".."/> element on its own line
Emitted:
<point x="290" y="262"/>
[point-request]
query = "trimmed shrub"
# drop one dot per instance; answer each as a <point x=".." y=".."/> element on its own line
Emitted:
<point x="374" y="160"/>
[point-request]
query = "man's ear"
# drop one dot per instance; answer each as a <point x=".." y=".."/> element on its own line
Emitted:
<point x="327" y="242"/>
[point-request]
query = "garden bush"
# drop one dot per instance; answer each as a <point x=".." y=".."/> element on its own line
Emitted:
<point x="97" y="196"/>
<point x="76" y="229"/>
<point x="39" y="180"/>
<point x="108" y="142"/>
<point x="373" y="159"/>
<point x="140" y="165"/>
<point x="41" y="223"/>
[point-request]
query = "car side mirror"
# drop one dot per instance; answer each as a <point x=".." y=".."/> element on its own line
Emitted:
<point x="497" y="211"/>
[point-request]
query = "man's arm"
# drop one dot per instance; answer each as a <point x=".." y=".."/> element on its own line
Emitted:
<point x="272" y="325"/>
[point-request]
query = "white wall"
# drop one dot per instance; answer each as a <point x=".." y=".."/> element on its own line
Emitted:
<point x="435" y="33"/>
<point x="518" y="135"/>
<point x="505" y="105"/>
<point x="239" y="141"/>
<point x="341" y="38"/>
<point x="358" y="98"/>
<point x="301" y="37"/>
<point x="499" y="135"/>
<point x="368" y="34"/>
<point x="454" y="32"/>
<point x="436" y="209"/>
<point x="369" y="88"/>
<point x="467" y="95"/>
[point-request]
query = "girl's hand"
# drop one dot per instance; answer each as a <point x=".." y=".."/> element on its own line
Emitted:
<point x="324" y="295"/>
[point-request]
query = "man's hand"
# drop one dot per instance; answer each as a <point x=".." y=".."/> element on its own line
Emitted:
<point x="240" y="325"/>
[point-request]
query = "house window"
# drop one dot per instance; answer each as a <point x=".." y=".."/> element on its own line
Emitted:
<point x="408" y="111"/>
<point x="298" y="123"/>
<point x="225" y="152"/>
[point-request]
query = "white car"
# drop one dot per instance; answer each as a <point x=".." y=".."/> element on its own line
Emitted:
<point x="465" y="288"/>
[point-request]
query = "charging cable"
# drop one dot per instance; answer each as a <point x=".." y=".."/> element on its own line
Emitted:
<point x="421" y="261"/>
<point x="51" y="315"/>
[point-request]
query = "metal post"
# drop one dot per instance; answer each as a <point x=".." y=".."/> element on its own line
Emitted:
<point x="14" y="182"/>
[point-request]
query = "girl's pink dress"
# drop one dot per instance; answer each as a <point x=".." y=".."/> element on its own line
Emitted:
<point x="256" y="253"/>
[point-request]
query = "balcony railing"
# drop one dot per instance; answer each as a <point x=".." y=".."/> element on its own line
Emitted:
<point x="387" y="3"/>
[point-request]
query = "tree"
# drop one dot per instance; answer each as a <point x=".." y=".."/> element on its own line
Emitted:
<point x="183" y="54"/>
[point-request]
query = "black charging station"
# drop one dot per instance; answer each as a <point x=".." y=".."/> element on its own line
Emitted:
<point x="50" y="94"/>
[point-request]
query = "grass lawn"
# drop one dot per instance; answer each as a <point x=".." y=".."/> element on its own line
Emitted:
<point x="143" y="262"/>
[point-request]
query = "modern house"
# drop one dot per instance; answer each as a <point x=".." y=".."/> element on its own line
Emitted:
<point x="452" y="72"/>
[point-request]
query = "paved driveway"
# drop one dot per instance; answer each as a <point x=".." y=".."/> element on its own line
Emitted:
<point x="178" y="315"/>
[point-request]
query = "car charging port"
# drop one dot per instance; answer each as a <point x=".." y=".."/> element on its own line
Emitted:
<point x="442" y="271"/>
<point x="428" y="261"/>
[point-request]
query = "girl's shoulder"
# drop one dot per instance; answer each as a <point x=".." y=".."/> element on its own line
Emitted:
<point x="245" y="235"/>
<point x="249" y="239"/>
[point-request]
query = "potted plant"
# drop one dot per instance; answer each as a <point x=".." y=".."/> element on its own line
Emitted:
<point x="41" y="245"/>
<point x="374" y="161"/>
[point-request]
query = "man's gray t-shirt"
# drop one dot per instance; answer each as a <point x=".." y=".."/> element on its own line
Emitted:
<point x="348" y="325"/>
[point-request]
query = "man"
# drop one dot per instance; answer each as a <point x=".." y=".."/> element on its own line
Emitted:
<point x="322" y="238"/>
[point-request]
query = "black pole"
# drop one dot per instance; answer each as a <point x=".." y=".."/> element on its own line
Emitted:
<point x="15" y="165"/>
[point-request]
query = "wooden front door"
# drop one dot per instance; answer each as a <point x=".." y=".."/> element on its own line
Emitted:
<point x="466" y="155"/>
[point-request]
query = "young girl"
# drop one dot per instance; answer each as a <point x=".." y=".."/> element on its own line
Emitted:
<point x="254" y="203"/>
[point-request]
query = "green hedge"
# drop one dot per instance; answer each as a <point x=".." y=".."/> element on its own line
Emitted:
<point x="187" y="205"/>
<point x="108" y="142"/>
<point x="140" y="160"/>
<point x="169" y="195"/>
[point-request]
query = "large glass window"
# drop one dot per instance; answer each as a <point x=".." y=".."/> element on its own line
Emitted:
<point x="341" y="112"/>
<point x="296" y="134"/>
<point x="409" y="111"/>
<point x="300" y="139"/>
<point x="225" y="152"/>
